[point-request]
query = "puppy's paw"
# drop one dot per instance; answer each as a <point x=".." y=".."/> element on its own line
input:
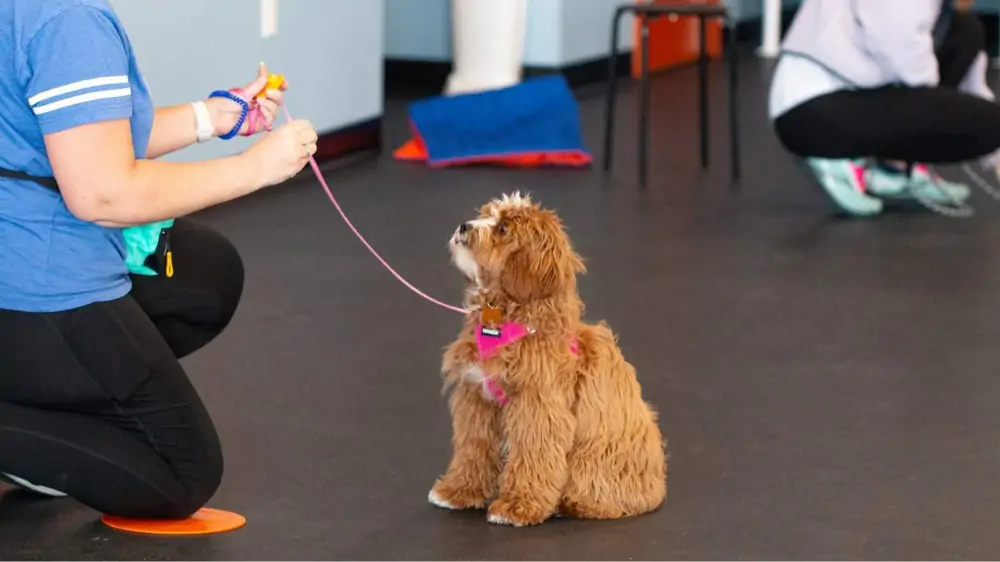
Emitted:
<point x="517" y="513"/>
<point x="436" y="499"/>
<point x="449" y="497"/>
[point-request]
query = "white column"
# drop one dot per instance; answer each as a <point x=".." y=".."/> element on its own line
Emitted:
<point x="268" y="18"/>
<point x="771" y="29"/>
<point x="488" y="44"/>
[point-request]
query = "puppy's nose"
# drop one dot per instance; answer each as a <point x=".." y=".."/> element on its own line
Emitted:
<point x="463" y="228"/>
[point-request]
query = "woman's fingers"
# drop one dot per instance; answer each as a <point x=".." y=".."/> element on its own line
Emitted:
<point x="306" y="133"/>
<point x="259" y="83"/>
<point x="270" y="104"/>
<point x="277" y="96"/>
<point x="269" y="109"/>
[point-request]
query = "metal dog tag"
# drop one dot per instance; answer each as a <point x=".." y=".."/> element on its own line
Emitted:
<point x="490" y="316"/>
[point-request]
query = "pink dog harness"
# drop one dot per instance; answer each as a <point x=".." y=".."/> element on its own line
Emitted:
<point x="491" y="340"/>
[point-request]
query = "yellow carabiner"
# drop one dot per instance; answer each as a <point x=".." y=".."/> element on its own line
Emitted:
<point x="170" y="264"/>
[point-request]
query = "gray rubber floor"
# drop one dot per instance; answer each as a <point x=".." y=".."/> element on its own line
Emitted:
<point x="830" y="388"/>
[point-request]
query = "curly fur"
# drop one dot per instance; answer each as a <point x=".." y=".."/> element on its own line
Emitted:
<point x="576" y="438"/>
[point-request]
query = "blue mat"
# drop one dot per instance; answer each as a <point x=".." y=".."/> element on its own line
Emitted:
<point x="535" y="123"/>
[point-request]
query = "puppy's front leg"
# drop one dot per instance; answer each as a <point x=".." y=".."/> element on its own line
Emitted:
<point x="539" y="426"/>
<point x="471" y="479"/>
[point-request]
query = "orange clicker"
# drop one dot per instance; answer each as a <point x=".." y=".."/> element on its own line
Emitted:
<point x="274" y="81"/>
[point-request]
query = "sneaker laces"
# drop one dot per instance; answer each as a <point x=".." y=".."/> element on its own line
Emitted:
<point x="985" y="185"/>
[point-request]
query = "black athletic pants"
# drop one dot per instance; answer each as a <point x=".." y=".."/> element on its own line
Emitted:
<point x="929" y="125"/>
<point x="93" y="401"/>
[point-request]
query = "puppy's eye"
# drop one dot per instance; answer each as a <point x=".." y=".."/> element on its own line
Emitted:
<point x="502" y="228"/>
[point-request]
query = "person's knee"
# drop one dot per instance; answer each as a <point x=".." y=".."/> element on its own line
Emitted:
<point x="196" y="498"/>
<point x="196" y="484"/>
<point x="197" y="465"/>
<point x="205" y="476"/>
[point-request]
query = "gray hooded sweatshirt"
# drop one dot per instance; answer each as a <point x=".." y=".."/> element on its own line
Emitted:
<point x="850" y="44"/>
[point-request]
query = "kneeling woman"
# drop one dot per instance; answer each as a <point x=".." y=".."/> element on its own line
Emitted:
<point x="93" y="401"/>
<point x="869" y="92"/>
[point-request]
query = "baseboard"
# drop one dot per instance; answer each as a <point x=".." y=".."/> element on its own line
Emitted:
<point x="417" y="78"/>
<point x="750" y="30"/>
<point x="584" y="73"/>
<point x="346" y="141"/>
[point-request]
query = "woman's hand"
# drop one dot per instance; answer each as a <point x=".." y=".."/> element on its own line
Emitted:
<point x="225" y="113"/>
<point x="282" y="153"/>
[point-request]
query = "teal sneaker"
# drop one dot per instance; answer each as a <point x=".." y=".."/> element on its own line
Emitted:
<point x="928" y="184"/>
<point x="844" y="182"/>
<point x="888" y="183"/>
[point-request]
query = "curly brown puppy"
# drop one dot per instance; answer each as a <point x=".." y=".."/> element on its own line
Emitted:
<point x="548" y="417"/>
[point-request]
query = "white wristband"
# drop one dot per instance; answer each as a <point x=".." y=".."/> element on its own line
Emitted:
<point x="203" y="121"/>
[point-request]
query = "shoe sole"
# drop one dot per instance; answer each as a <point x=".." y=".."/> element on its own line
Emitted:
<point x="35" y="488"/>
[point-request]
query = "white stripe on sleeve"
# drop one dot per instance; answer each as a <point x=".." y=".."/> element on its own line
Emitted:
<point x="82" y="98"/>
<point x="76" y="87"/>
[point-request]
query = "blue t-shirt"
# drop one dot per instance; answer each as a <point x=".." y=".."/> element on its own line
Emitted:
<point x="72" y="65"/>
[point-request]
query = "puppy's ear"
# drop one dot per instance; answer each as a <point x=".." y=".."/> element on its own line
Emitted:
<point x="529" y="275"/>
<point x="543" y="266"/>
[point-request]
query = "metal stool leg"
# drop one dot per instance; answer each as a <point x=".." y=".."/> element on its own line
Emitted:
<point x="644" y="91"/>
<point x="734" y="116"/>
<point x="612" y="94"/>
<point x="703" y="90"/>
<point x="644" y="104"/>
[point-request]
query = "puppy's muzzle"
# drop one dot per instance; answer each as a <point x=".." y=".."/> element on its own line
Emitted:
<point x="462" y="233"/>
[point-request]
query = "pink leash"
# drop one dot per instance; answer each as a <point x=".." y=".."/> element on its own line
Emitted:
<point x="329" y="194"/>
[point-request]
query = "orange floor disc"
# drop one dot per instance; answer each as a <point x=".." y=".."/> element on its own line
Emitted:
<point x="206" y="521"/>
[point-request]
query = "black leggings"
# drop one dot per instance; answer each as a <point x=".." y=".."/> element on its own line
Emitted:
<point x="93" y="401"/>
<point x="930" y="125"/>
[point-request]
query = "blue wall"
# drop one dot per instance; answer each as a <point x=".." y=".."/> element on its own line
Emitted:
<point x="558" y="31"/>
<point x="586" y="30"/>
<point x="331" y="52"/>
<point x="418" y="29"/>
